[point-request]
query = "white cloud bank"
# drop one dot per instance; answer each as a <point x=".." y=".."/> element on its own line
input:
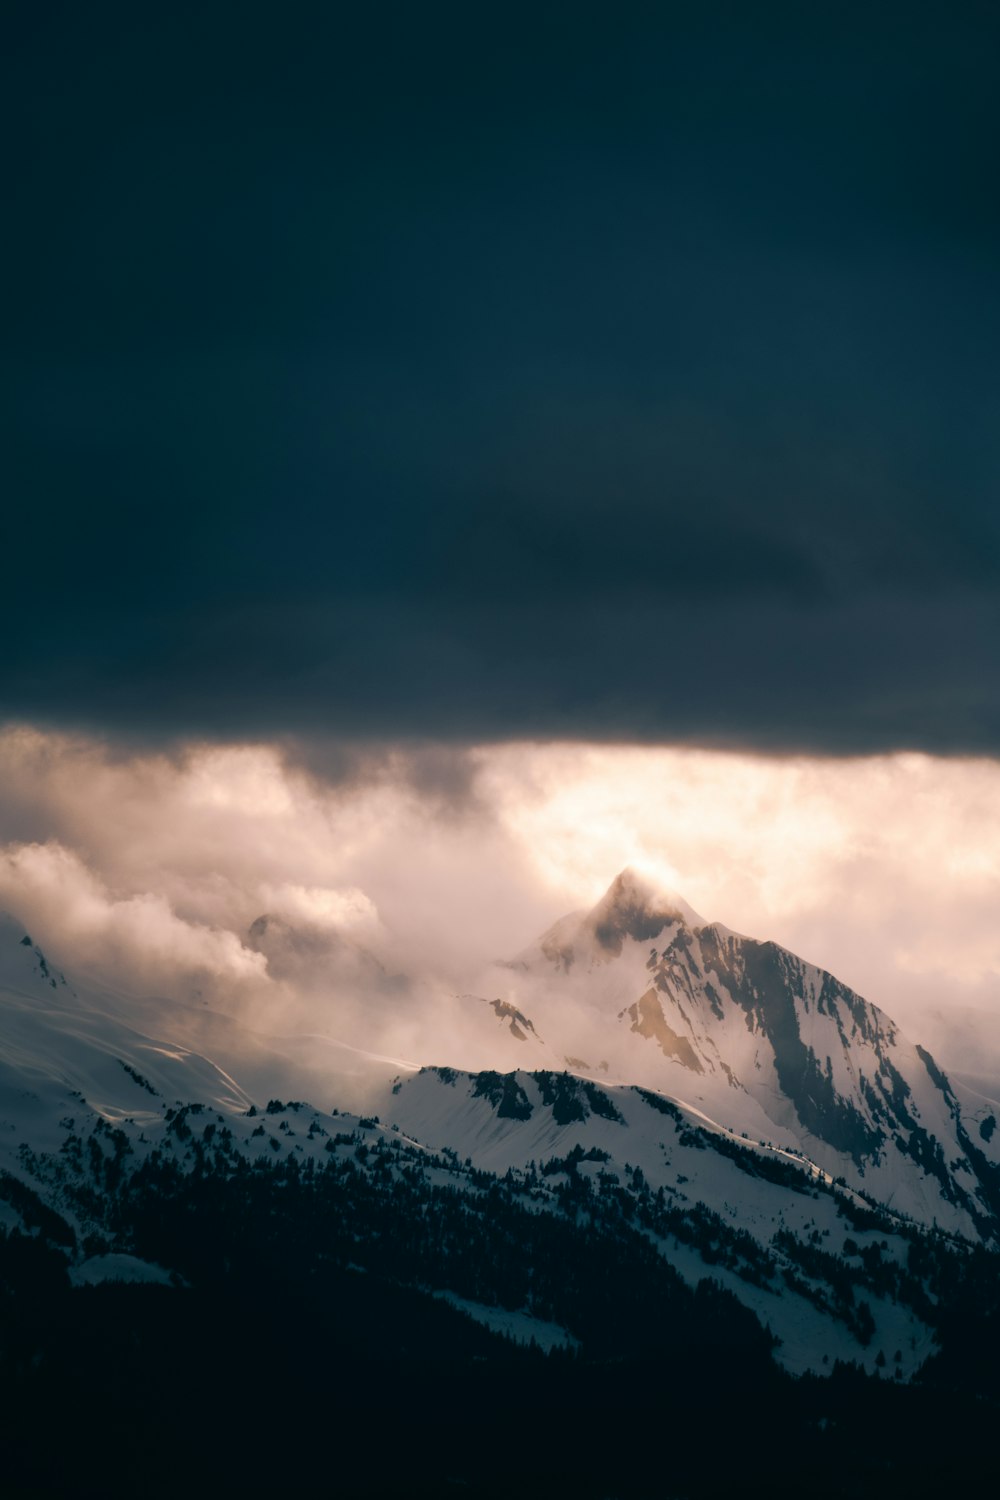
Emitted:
<point x="149" y="868"/>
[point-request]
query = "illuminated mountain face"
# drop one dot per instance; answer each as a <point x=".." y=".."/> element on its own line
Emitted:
<point x="765" y="1044"/>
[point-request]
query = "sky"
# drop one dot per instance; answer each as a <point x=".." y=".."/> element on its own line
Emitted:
<point x="489" y="373"/>
<point x="566" y="423"/>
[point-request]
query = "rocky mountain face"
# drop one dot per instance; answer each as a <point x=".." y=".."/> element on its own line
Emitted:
<point x="767" y="1045"/>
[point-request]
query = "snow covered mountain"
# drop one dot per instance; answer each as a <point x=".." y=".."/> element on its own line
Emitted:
<point x="643" y="1077"/>
<point x="763" y="1044"/>
<point x="93" y="1110"/>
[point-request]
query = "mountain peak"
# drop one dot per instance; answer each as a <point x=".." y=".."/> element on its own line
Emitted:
<point x="634" y="906"/>
<point x="21" y="957"/>
<point x="12" y="931"/>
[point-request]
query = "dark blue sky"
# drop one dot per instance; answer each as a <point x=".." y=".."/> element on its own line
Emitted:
<point x="473" y="371"/>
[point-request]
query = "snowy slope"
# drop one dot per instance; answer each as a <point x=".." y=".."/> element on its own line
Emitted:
<point x="763" y="1043"/>
<point x="721" y="1191"/>
<point x="636" y="1070"/>
<point x="65" y="1048"/>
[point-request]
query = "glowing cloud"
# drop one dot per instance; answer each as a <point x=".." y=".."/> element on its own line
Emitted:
<point x="151" y="867"/>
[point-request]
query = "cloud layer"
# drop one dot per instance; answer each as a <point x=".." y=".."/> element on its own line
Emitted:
<point x="407" y="877"/>
<point x="413" y="373"/>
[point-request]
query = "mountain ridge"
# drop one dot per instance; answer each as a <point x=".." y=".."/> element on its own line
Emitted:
<point x="767" y="1043"/>
<point x="749" y="1110"/>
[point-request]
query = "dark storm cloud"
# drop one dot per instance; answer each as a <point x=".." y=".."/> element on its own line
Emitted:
<point x="460" y="373"/>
